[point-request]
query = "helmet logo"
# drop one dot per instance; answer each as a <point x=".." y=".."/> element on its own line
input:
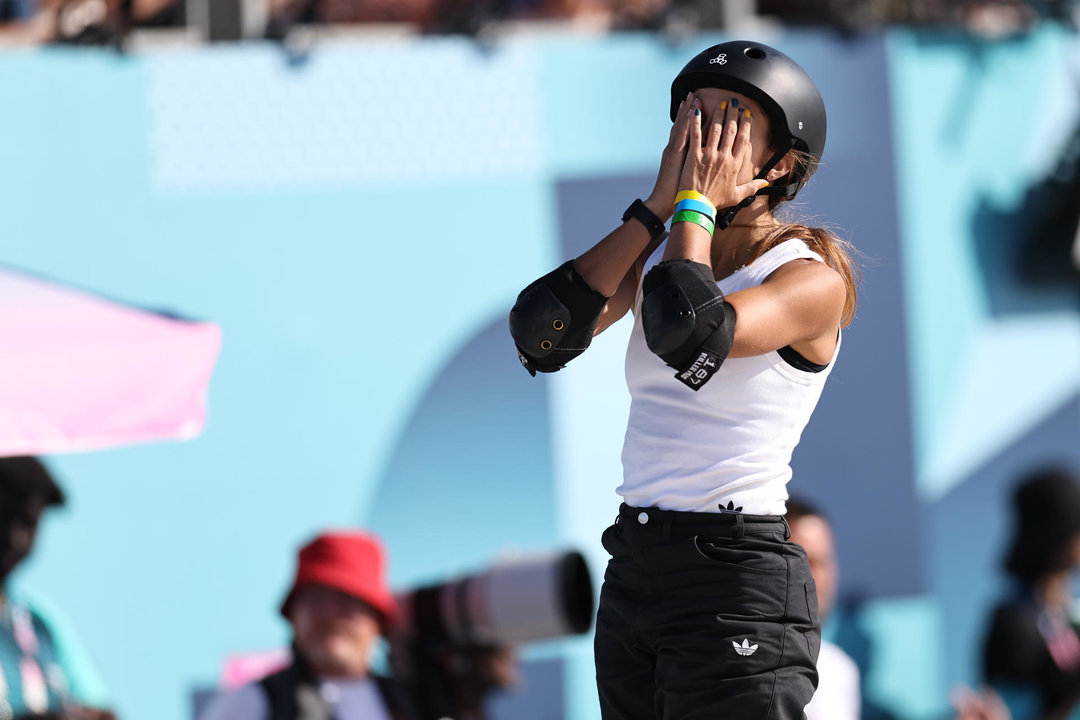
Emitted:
<point x="800" y="124"/>
<point x="720" y="59"/>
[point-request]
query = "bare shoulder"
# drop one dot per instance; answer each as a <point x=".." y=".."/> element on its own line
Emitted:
<point x="806" y="269"/>
<point x="810" y="278"/>
<point x="800" y="304"/>
<point x="813" y="294"/>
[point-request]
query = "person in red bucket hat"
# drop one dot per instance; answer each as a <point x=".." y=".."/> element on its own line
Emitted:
<point x="339" y="605"/>
<point x="352" y="563"/>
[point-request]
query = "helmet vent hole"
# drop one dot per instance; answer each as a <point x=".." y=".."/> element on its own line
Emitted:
<point x="754" y="53"/>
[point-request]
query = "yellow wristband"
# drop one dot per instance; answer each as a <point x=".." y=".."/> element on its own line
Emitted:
<point x="694" y="195"/>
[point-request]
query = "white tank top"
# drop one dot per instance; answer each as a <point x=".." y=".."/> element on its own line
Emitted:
<point x="727" y="446"/>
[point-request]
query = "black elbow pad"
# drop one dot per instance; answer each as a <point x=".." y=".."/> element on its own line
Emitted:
<point x="687" y="321"/>
<point x="554" y="319"/>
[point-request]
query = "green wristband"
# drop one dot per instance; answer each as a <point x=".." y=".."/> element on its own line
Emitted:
<point x="695" y="217"/>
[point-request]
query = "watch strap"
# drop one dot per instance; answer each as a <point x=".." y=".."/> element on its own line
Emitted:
<point x="640" y="212"/>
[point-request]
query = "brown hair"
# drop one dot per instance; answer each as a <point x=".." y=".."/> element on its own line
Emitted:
<point x="834" y="250"/>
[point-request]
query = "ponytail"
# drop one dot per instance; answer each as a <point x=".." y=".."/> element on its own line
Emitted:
<point x="835" y="251"/>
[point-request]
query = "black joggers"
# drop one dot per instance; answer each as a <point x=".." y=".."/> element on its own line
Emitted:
<point x="705" y="616"/>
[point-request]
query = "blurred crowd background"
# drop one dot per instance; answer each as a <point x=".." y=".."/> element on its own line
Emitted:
<point x="109" y="21"/>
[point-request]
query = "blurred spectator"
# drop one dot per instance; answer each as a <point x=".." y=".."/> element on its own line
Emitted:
<point x="467" y="16"/>
<point x="39" y="666"/>
<point x="338" y="607"/>
<point x="837" y="696"/>
<point x="993" y="19"/>
<point x="604" y="14"/>
<point x="156" y="13"/>
<point x="1032" y="647"/>
<point x="983" y="705"/>
<point x="107" y="21"/>
<point x="283" y="14"/>
<point x="83" y="22"/>
<point x="15" y="10"/>
<point x="23" y="22"/>
<point x="415" y="12"/>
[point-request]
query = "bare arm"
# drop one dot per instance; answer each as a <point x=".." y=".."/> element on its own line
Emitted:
<point x="798" y="305"/>
<point x="623" y="300"/>
<point x="605" y="265"/>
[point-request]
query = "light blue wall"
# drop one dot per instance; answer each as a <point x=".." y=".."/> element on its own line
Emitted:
<point x="993" y="354"/>
<point x="359" y="221"/>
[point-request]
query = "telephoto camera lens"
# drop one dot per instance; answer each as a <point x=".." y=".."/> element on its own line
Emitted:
<point x="513" y="601"/>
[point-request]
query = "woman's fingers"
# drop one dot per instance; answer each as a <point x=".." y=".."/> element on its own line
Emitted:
<point x="680" y="118"/>
<point x="729" y="132"/>
<point x="695" y="128"/>
<point x="716" y="128"/>
<point x="684" y="120"/>
<point x="680" y="129"/>
<point x="741" y="150"/>
<point x="688" y="177"/>
<point x="717" y="166"/>
<point x="747" y="189"/>
<point x="731" y="127"/>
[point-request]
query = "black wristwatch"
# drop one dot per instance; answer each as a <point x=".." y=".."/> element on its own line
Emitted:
<point x="640" y="212"/>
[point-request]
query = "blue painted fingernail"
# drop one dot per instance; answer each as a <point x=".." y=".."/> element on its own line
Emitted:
<point x="697" y="113"/>
<point x="734" y="102"/>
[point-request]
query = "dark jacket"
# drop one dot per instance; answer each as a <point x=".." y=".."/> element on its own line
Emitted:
<point x="293" y="694"/>
<point x="1017" y="655"/>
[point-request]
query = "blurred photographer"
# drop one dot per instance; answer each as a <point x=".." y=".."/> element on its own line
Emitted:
<point x="453" y="681"/>
<point x="457" y="643"/>
<point x="338" y="607"/>
<point x="41" y="675"/>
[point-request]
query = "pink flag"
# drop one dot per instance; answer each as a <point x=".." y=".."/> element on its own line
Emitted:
<point x="78" y="372"/>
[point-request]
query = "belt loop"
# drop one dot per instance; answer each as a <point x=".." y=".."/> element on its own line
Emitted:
<point x="740" y="526"/>
<point x="668" y="519"/>
<point x="787" y="528"/>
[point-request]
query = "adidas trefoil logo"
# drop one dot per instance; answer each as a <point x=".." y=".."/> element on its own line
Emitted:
<point x="745" y="649"/>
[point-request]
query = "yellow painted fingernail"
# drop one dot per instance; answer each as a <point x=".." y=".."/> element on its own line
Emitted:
<point x="746" y="112"/>
<point x="766" y="184"/>
<point x="723" y="104"/>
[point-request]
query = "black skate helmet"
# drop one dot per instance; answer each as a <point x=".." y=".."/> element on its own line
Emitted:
<point x="777" y="83"/>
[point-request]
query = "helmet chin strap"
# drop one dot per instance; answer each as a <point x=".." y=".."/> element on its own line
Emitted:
<point x="726" y="216"/>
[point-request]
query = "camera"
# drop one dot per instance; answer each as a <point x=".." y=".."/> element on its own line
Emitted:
<point x="514" y="601"/>
<point x="455" y="644"/>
